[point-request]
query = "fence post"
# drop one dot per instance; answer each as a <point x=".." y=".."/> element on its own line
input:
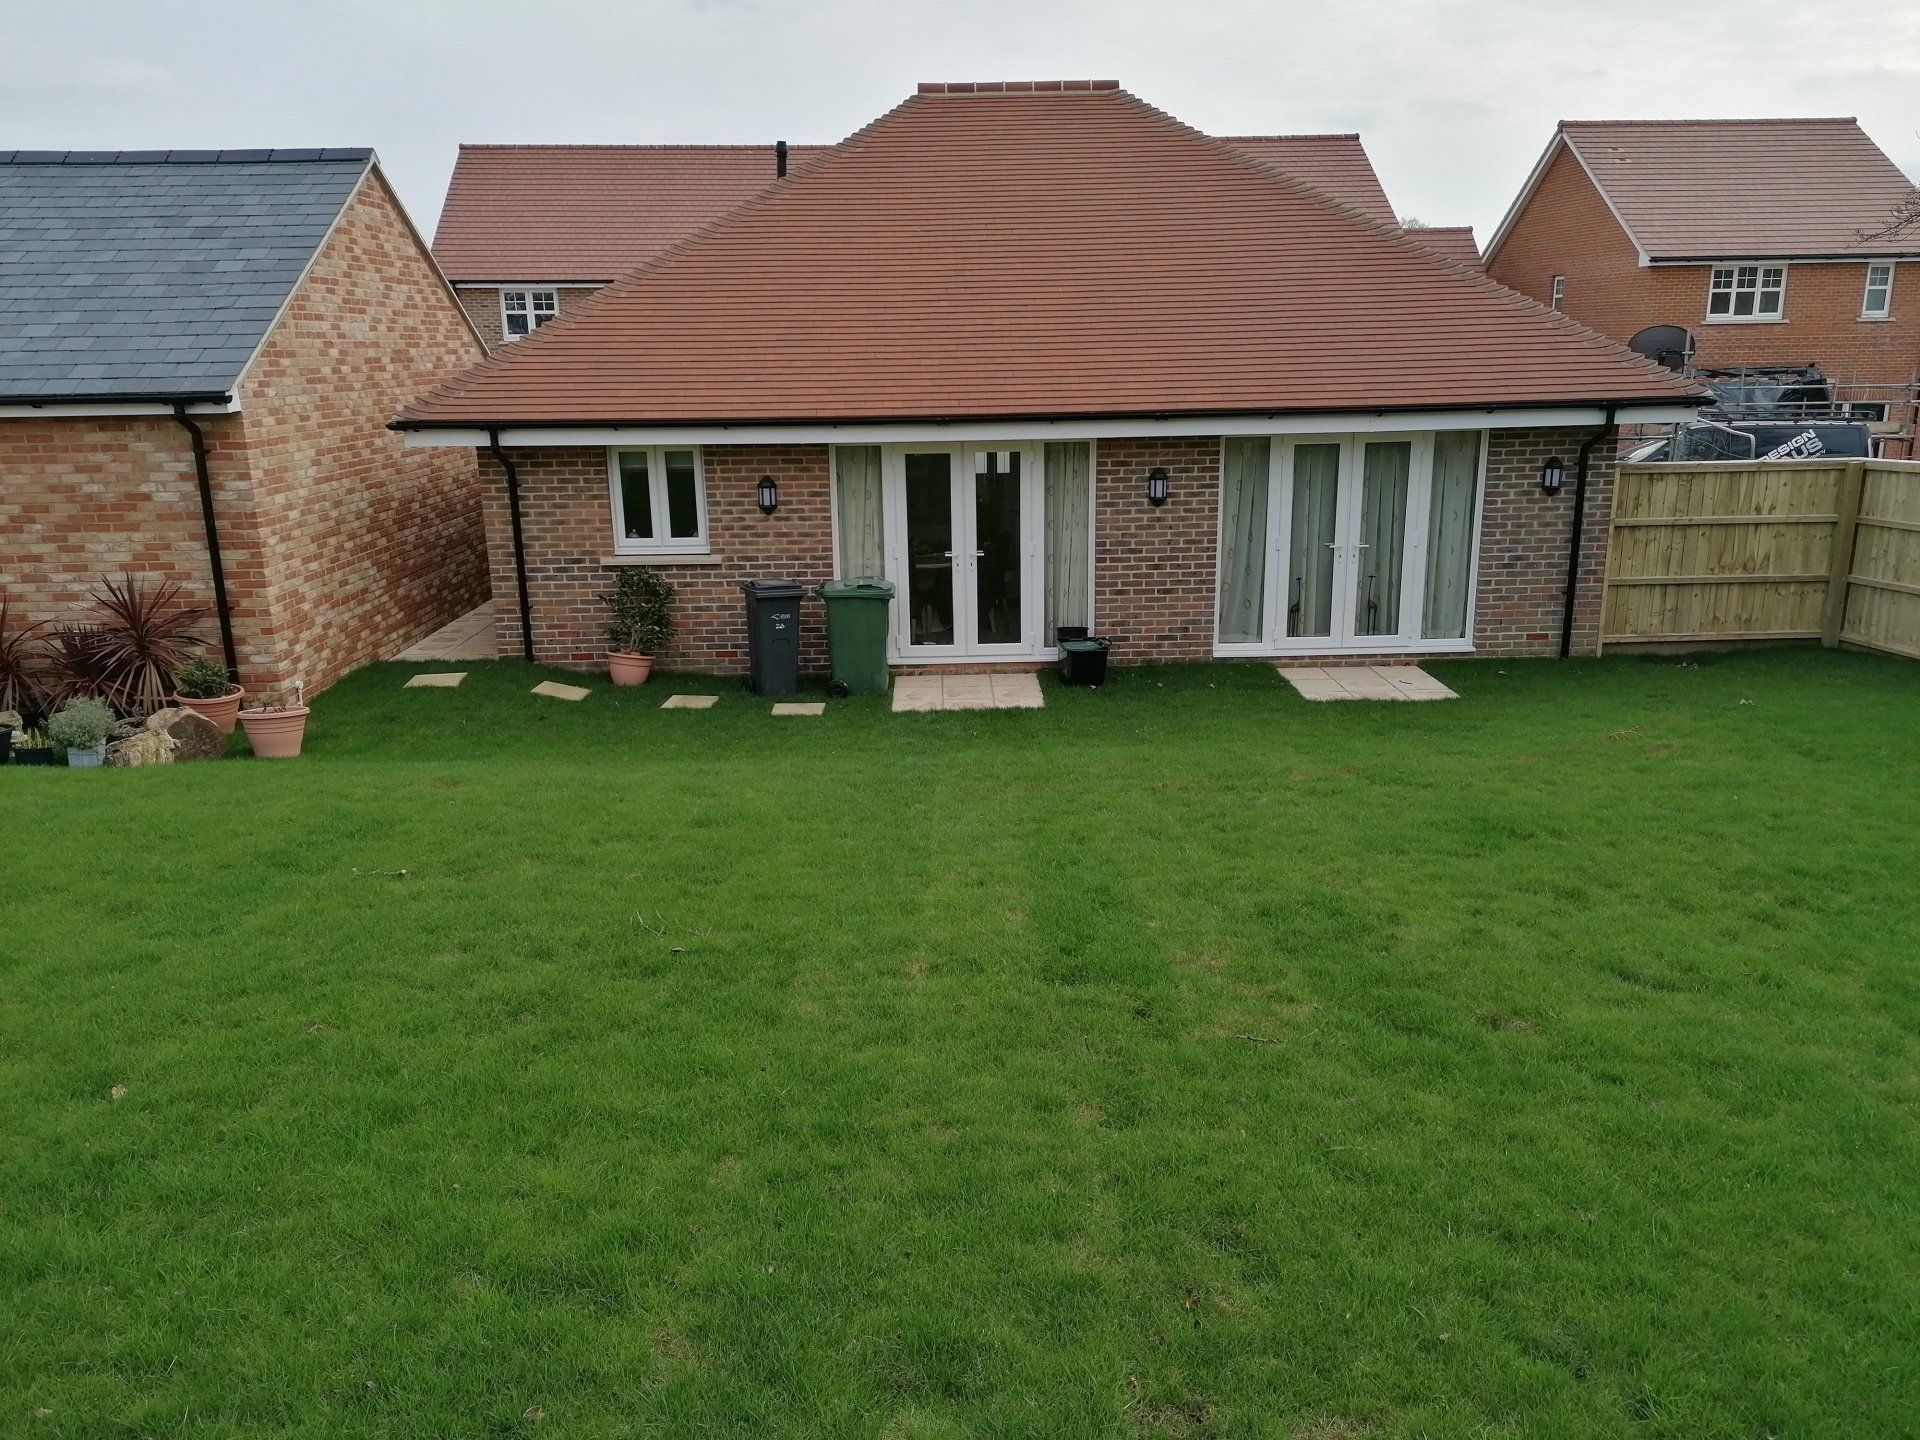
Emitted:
<point x="1840" y="565"/>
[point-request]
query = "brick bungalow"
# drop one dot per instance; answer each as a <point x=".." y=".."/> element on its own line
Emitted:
<point x="1045" y="356"/>
<point x="530" y="232"/>
<point x="1756" y="237"/>
<point x="199" y="355"/>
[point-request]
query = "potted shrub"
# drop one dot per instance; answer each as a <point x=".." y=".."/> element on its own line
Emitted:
<point x="640" y="623"/>
<point x="31" y="747"/>
<point x="204" y="687"/>
<point x="82" y="727"/>
<point x="276" y="731"/>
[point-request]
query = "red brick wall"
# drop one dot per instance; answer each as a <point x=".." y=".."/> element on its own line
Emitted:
<point x="1566" y="229"/>
<point x="482" y="304"/>
<point x="1154" y="566"/>
<point x="568" y="522"/>
<point x="371" y="543"/>
<point x="87" y="498"/>
<point x="1524" y="534"/>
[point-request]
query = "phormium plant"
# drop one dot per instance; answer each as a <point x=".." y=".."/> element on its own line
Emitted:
<point x="21" y="663"/>
<point x="145" y="635"/>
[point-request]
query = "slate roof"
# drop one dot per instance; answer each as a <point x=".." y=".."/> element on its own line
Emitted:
<point x="591" y="213"/>
<point x="1737" y="189"/>
<point x="1034" y="252"/>
<point x="153" y="274"/>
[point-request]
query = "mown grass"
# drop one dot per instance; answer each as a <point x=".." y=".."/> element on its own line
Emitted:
<point x="1182" y="1060"/>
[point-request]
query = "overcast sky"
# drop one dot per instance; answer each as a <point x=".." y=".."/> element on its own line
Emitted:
<point x="1454" y="98"/>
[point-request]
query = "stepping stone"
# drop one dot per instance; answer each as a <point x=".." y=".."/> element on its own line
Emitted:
<point x="1017" y="692"/>
<point x="446" y="680"/>
<point x="1413" y="683"/>
<point x="800" y="707"/>
<point x="1315" y="683"/>
<point x="557" y="691"/>
<point x="689" y="702"/>
<point x="916" y="693"/>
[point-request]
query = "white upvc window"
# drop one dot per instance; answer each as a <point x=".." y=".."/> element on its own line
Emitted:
<point x="1559" y="301"/>
<point x="659" y="497"/>
<point x="1747" y="292"/>
<point x="524" y="311"/>
<point x="1877" y="302"/>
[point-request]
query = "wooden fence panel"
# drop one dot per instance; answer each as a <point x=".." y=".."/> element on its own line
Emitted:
<point x="1771" y="550"/>
<point x="1883" y="581"/>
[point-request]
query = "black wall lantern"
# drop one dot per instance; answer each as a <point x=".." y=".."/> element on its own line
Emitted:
<point x="769" y="495"/>
<point x="1552" y="472"/>
<point x="1156" y="486"/>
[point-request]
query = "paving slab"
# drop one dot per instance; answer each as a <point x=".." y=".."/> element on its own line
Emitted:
<point x="988" y="690"/>
<point x="554" y="690"/>
<point x="1364" y="682"/>
<point x="800" y="707"/>
<point x="445" y="680"/>
<point x="689" y="702"/>
<point x="1017" y="692"/>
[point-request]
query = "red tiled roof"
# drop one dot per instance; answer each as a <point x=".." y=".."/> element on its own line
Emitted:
<point x="593" y="212"/>
<point x="1727" y="189"/>
<point x="1017" y="254"/>
<point x="1453" y="241"/>
<point x="1336" y="164"/>
<point x="588" y="212"/>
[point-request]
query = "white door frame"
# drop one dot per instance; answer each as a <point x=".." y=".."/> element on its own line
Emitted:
<point x="1344" y="639"/>
<point x="966" y="576"/>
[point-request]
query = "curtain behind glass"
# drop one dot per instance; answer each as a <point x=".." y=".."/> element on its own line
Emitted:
<point x="1068" y="480"/>
<point x="856" y="479"/>
<point x="1243" y="541"/>
<point x="1383" y="530"/>
<point x="1450" y="520"/>
<point x="1316" y="496"/>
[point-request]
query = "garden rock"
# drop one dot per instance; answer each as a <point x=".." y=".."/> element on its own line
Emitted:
<point x="146" y="747"/>
<point x="197" y="737"/>
<point x="10" y="720"/>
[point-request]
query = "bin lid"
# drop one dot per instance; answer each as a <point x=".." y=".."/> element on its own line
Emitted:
<point x="772" y="589"/>
<point x="1094" y="642"/>
<point x="861" y="587"/>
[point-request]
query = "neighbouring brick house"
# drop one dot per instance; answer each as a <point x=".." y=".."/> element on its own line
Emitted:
<point x="274" y="308"/>
<point x="529" y="232"/>
<point x="1746" y="234"/>
<point x="1043" y="356"/>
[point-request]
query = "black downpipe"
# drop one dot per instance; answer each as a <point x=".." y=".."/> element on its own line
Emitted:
<point x="779" y="159"/>
<point x="207" y="523"/>
<point x="519" y="541"/>
<point x="1579" y="528"/>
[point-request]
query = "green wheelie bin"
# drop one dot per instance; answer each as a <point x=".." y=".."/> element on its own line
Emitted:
<point x="857" y="613"/>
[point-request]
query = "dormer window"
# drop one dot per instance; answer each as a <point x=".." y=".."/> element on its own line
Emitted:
<point x="524" y="311"/>
<point x="1747" y="292"/>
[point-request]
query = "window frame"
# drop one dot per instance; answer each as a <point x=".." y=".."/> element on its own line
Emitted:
<point x="663" y="543"/>
<point x="1885" y="311"/>
<point x="534" y="318"/>
<point x="1557" y="295"/>
<point x="1759" y="287"/>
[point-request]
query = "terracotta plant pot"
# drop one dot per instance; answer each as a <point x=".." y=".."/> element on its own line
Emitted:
<point x="624" y="667"/>
<point x="222" y="711"/>
<point x="275" y="734"/>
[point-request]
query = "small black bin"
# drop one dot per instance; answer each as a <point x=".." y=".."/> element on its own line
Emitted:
<point x="1083" y="658"/>
<point x="773" y="636"/>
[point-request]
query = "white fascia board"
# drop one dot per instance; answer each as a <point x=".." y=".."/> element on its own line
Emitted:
<point x="1324" y="423"/>
<point x="110" y="410"/>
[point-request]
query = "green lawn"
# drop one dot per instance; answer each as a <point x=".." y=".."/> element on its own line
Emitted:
<point x="1181" y="1060"/>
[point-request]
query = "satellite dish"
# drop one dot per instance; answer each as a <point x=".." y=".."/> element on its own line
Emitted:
<point x="1668" y="345"/>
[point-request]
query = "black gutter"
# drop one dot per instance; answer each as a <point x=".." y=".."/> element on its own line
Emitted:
<point x="1033" y="417"/>
<point x="171" y="398"/>
<point x="519" y="541"/>
<point x="212" y="529"/>
<point x="1579" y="527"/>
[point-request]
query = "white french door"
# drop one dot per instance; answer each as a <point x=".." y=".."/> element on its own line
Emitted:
<point x="964" y="549"/>
<point x="1348" y="529"/>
